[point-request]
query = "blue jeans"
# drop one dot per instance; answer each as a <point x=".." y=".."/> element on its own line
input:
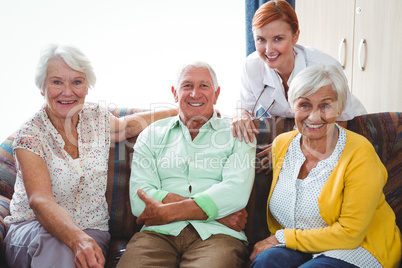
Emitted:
<point x="284" y="257"/>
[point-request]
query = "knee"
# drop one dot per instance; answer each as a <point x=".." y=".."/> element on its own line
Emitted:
<point x="273" y="257"/>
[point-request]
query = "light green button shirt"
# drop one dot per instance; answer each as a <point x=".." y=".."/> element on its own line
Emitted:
<point x="214" y="169"/>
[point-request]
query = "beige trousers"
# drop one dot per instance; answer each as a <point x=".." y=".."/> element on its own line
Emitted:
<point x="151" y="249"/>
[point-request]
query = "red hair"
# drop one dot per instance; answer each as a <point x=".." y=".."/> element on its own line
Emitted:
<point x="275" y="10"/>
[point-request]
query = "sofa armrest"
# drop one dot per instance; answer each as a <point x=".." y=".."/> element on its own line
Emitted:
<point x="4" y="212"/>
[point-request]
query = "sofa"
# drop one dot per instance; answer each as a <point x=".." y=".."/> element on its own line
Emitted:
<point x="383" y="130"/>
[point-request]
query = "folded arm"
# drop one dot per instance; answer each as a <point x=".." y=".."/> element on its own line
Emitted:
<point x="156" y="212"/>
<point x="236" y="221"/>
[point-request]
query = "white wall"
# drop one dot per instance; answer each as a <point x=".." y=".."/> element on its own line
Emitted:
<point x="135" y="46"/>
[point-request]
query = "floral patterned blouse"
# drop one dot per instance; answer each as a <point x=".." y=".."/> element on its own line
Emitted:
<point x="78" y="185"/>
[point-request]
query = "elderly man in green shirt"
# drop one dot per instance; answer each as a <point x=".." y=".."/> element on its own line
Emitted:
<point x="190" y="182"/>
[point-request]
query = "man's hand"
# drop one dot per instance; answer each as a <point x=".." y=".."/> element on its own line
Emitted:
<point x="87" y="253"/>
<point x="153" y="214"/>
<point x="236" y="221"/>
<point x="267" y="243"/>
<point x="265" y="163"/>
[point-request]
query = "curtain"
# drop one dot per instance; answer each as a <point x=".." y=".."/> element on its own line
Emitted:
<point x="251" y="8"/>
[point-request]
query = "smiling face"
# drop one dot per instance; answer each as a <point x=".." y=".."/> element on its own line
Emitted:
<point x="64" y="90"/>
<point x="316" y="114"/>
<point x="196" y="95"/>
<point x="274" y="42"/>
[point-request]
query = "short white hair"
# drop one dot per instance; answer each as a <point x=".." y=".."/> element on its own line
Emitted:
<point x="311" y="79"/>
<point x="197" y="64"/>
<point x="72" y="56"/>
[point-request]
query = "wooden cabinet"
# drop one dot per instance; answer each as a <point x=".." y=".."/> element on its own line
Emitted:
<point x="366" y="37"/>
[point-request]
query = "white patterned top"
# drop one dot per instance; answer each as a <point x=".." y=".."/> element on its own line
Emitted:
<point x="300" y="197"/>
<point x="78" y="185"/>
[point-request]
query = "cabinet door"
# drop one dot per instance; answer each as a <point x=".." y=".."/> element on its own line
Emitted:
<point x="328" y="26"/>
<point x="379" y="84"/>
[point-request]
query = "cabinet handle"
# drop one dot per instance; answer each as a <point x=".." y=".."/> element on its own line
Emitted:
<point x="362" y="42"/>
<point x="342" y="44"/>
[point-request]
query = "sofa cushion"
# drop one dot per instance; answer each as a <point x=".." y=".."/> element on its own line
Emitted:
<point x="116" y="250"/>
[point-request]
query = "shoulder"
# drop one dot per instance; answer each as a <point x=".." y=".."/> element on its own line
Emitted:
<point x="282" y="141"/>
<point x="357" y="143"/>
<point x="254" y="70"/>
<point x="315" y="56"/>
<point x="158" y="129"/>
<point x="94" y="109"/>
<point x="163" y="124"/>
<point x="223" y="135"/>
<point x="253" y="61"/>
<point x="223" y="129"/>
<point x="221" y="122"/>
<point x="32" y="133"/>
<point x="94" y="115"/>
<point x="286" y="136"/>
<point x="34" y="125"/>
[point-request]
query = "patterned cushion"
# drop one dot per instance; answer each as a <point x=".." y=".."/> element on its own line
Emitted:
<point x="7" y="167"/>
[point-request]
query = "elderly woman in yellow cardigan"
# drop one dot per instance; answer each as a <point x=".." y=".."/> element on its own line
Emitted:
<point x="326" y="206"/>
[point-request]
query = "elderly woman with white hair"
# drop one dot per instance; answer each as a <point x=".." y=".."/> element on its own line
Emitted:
<point x="326" y="206"/>
<point x="59" y="215"/>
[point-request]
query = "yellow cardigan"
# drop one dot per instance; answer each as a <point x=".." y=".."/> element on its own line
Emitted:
<point x="351" y="202"/>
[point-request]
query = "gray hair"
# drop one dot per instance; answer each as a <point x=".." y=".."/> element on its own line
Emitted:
<point x="72" y="56"/>
<point x="197" y="64"/>
<point x="311" y="79"/>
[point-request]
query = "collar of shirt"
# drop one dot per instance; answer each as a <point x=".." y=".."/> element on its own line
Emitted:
<point x="213" y="122"/>
<point x="53" y="131"/>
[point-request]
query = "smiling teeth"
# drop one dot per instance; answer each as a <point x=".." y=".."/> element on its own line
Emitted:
<point x="314" y="126"/>
<point x="66" y="102"/>
<point x="196" y="104"/>
<point x="272" y="57"/>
